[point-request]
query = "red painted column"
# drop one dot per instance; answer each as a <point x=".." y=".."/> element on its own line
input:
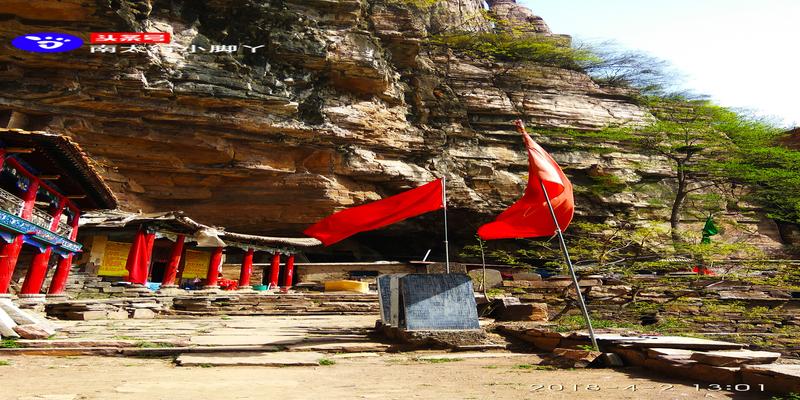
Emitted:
<point x="174" y="261"/>
<point x="287" y="280"/>
<point x="30" y="199"/>
<point x="59" y="211"/>
<point x="150" y="239"/>
<point x="59" y="281"/>
<point x="213" y="268"/>
<point x="134" y="258"/>
<point x="38" y="269"/>
<point x="36" y="273"/>
<point x="275" y="270"/>
<point x="9" y="253"/>
<point x="247" y="269"/>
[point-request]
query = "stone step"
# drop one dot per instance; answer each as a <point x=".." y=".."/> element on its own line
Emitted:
<point x="280" y="359"/>
<point x="735" y="358"/>
<point x="465" y="355"/>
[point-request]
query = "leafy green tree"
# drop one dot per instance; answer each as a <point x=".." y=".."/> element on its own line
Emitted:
<point x="688" y="133"/>
<point x="769" y="169"/>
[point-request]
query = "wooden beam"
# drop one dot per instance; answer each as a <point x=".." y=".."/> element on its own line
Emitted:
<point x="19" y="150"/>
<point x="49" y="177"/>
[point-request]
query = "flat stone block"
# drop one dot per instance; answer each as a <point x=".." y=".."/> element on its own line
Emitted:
<point x="464" y="356"/>
<point x="713" y="374"/>
<point x="523" y="312"/>
<point x="85" y="315"/>
<point x="631" y="356"/>
<point x="545" y="343"/>
<point x="493" y="278"/>
<point x="282" y="359"/>
<point x="735" y="358"/>
<point x="31" y="332"/>
<point x="143" y="313"/>
<point x="526" y="276"/>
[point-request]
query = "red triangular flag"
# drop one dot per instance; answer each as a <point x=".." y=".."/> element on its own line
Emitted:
<point x="529" y="216"/>
<point x="377" y="214"/>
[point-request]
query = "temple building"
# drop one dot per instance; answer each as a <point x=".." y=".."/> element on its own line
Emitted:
<point x="169" y="250"/>
<point x="46" y="182"/>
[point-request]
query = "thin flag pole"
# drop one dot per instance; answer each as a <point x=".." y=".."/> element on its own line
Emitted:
<point x="446" y="245"/>
<point x="581" y="303"/>
<point x="483" y="263"/>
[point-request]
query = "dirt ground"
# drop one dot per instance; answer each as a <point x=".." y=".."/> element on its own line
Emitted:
<point x="384" y="376"/>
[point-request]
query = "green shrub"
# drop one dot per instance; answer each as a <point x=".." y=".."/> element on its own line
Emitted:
<point x="512" y="46"/>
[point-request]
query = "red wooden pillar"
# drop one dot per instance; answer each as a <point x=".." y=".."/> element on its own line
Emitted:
<point x="150" y="239"/>
<point x="213" y="268"/>
<point x="59" y="281"/>
<point x="30" y="199"/>
<point x="275" y="270"/>
<point x="247" y="269"/>
<point x="36" y="273"/>
<point x="38" y="268"/>
<point x="287" y="279"/>
<point x="134" y="258"/>
<point x="174" y="261"/>
<point x="9" y="253"/>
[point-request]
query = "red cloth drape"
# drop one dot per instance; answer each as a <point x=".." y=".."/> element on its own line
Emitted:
<point x="345" y="223"/>
<point x="529" y="216"/>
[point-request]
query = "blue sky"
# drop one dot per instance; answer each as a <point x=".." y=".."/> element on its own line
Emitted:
<point x="742" y="53"/>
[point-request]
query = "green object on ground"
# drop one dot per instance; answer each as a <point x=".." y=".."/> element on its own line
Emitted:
<point x="260" y="287"/>
<point x="709" y="230"/>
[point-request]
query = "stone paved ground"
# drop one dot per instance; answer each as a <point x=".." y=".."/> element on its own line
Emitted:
<point x="376" y="377"/>
<point x="360" y="367"/>
<point x="224" y="331"/>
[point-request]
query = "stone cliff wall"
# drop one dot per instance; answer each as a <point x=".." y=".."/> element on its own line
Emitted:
<point x="345" y="103"/>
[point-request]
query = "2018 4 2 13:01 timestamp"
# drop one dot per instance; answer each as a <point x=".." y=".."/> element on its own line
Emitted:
<point x="741" y="387"/>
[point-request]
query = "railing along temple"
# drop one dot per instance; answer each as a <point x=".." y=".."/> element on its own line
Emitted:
<point x="10" y="203"/>
<point x="41" y="218"/>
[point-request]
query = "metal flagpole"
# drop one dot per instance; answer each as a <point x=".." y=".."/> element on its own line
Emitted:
<point x="483" y="262"/>
<point x="581" y="303"/>
<point x="446" y="245"/>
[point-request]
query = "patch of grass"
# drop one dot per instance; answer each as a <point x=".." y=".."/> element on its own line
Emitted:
<point x="205" y="366"/>
<point x="326" y="361"/>
<point x="123" y="337"/>
<point x="669" y="324"/>
<point x="225" y="317"/>
<point x="524" y="366"/>
<point x="495" y="292"/>
<point x="4" y="363"/>
<point x="143" y="344"/>
<point x="570" y="323"/>
<point x="9" y="344"/>
<point x="490" y="367"/>
<point x="790" y="396"/>
<point x="441" y="360"/>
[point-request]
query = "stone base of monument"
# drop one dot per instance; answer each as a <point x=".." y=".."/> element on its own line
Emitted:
<point x="436" y="339"/>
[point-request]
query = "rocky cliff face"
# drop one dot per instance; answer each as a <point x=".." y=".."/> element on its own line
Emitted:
<point x="343" y="104"/>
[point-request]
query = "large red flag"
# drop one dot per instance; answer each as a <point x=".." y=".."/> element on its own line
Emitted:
<point x="377" y="214"/>
<point x="529" y="216"/>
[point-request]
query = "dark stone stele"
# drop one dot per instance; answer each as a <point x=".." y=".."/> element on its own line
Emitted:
<point x="385" y="296"/>
<point x="437" y="302"/>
